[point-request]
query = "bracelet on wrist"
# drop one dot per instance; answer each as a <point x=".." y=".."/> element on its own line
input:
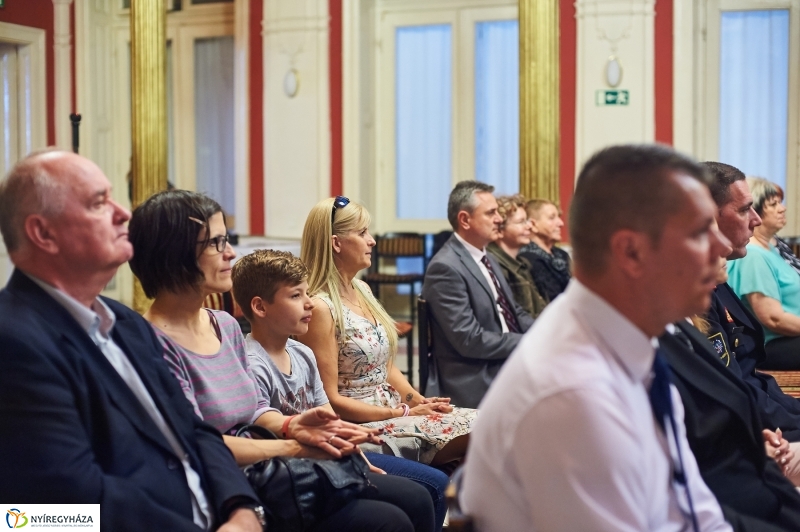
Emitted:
<point x="285" y="428"/>
<point x="406" y="409"/>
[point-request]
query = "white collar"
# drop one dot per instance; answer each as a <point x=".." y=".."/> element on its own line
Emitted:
<point x="630" y="346"/>
<point x="474" y="252"/>
<point x="99" y="318"/>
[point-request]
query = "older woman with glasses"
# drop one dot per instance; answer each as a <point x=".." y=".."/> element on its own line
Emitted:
<point x="355" y="341"/>
<point x="766" y="283"/>
<point x="515" y="232"/>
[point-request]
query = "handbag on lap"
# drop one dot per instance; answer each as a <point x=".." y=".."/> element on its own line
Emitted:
<point x="299" y="492"/>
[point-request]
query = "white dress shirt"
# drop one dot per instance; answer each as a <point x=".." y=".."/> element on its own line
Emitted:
<point x="98" y="322"/>
<point x="566" y="439"/>
<point x="477" y="255"/>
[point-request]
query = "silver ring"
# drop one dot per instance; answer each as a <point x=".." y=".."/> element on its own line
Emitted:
<point x="331" y="439"/>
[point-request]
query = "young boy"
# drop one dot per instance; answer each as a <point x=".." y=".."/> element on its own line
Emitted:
<point x="271" y="288"/>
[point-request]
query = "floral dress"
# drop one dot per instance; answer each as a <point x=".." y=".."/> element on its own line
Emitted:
<point x="363" y="375"/>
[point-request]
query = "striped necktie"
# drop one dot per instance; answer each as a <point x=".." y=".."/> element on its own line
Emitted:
<point x="505" y="307"/>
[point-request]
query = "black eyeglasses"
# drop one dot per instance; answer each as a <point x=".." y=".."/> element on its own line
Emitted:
<point x="339" y="203"/>
<point x="219" y="242"/>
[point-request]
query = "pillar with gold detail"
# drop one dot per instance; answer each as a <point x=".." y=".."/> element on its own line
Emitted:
<point x="539" y="99"/>
<point x="149" y="106"/>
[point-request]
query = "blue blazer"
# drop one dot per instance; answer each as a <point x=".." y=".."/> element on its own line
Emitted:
<point x="73" y="432"/>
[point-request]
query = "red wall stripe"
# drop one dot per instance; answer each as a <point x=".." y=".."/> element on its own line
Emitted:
<point x="256" y="95"/>
<point x="568" y="44"/>
<point x="335" y="65"/>
<point x="663" y="70"/>
<point x="38" y="14"/>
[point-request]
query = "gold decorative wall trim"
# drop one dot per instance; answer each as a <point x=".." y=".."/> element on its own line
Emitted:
<point x="149" y="106"/>
<point x="539" y="99"/>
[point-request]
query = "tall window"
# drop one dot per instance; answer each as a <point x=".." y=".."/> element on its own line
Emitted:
<point x="423" y="115"/>
<point x="497" y="104"/>
<point x="447" y="108"/>
<point x="214" y="112"/>
<point x="754" y="92"/>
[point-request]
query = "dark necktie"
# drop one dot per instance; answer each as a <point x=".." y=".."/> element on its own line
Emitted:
<point x="505" y="307"/>
<point x="661" y="402"/>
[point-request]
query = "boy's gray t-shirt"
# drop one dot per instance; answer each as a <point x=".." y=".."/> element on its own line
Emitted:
<point x="291" y="394"/>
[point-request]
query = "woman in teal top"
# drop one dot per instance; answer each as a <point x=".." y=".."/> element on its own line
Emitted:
<point x="767" y="284"/>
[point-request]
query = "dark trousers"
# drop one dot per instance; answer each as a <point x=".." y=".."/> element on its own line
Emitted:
<point x="783" y="354"/>
<point x="430" y="478"/>
<point x="400" y="505"/>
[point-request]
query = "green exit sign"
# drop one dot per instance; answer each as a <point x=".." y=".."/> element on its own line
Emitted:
<point x="604" y="97"/>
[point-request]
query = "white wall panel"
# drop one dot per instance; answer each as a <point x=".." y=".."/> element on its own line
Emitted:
<point x="296" y="129"/>
<point x="625" y="29"/>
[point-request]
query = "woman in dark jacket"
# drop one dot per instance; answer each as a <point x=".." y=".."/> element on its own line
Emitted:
<point x="550" y="265"/>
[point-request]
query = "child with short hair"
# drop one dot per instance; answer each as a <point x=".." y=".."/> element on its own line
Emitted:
<point x="271" y="289"/>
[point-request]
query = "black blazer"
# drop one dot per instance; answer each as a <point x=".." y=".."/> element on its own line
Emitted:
<point x="724" y="432"/>
<point x="73" y="432"/>
<point x="739" y="340"/>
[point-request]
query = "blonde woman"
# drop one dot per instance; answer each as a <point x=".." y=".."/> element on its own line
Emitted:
<point x="354" y="341"/>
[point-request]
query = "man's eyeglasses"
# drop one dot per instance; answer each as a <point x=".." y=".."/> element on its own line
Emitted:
<point x="339" y="203"/>
<point x="219" y="243"/>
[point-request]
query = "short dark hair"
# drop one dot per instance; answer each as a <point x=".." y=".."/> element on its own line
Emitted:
<point x="164" y="231"/>
<point x="462" y="198"/>
<point x="722" y="177"/>
<point x="625" y="187"/>
<point x="262" y="273"/>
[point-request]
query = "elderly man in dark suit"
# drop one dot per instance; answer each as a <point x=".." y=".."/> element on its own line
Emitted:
<point x="89" y="411"/>
<point x="475" y="321"/>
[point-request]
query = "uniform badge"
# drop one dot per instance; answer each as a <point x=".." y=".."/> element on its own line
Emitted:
<point x="728" y="315"/>
<point x="718" y="342"/>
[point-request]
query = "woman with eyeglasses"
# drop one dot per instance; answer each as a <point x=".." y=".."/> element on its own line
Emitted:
<point x="766" y="283"/>
<point x="515" y="232"/>
<point x="182" y="255"/>
<point x="355" y="341"/>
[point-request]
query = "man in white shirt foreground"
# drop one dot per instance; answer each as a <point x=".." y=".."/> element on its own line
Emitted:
<point x="567" y="438"/>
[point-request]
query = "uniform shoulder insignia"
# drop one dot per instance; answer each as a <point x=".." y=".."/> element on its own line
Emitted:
<point x="718" y="341"/>
<point x="728" y="316"/>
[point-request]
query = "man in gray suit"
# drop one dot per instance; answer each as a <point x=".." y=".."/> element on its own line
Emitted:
<point x="475" y="321"/>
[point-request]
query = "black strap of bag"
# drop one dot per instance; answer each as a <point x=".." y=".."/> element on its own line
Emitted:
<point x="299" y="492"/>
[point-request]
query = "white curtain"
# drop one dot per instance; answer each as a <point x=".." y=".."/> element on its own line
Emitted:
<point x="214" y="110"/>
<point x="423" y="102"/>
<point x="754" y="85"/>
<point x="497" y="104"/>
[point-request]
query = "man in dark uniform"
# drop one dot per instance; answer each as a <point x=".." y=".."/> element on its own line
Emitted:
<point x="735" y="333"/>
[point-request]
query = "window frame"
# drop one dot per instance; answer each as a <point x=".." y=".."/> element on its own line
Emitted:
<point x="708" y="91"/>
<point x="368" y="96"/>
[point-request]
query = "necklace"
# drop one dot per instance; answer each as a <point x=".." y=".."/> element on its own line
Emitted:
<point x="356" y="303"/>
